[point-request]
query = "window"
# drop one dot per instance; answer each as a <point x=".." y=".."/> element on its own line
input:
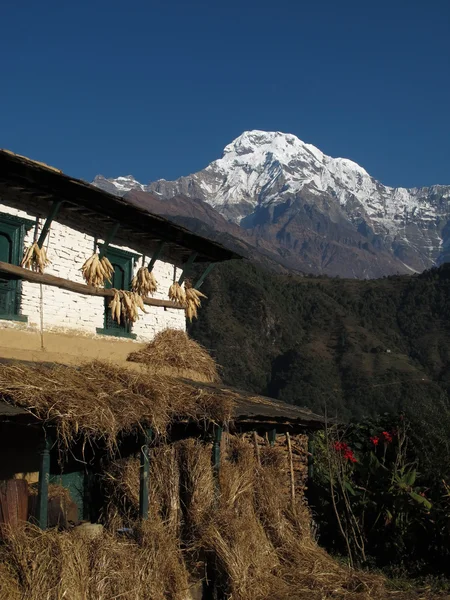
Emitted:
<point x="122" y="262"/>
<point x="12" y="234"/>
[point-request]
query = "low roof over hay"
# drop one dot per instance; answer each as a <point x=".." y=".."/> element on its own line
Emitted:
<point x="100" y="401"/>
<point x="174" y="353"/>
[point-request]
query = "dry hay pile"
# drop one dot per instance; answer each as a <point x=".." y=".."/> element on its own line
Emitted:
<point x="52" y="565"/>
<point x="259" y="545"/>
<point x="173" y="352"/>
<point x="99" y="400"/>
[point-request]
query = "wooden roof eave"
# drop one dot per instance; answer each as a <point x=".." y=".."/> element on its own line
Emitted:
<point x="36" y="179"/>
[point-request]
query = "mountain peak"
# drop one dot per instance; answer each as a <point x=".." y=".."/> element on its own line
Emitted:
<point x="267" y="181"/>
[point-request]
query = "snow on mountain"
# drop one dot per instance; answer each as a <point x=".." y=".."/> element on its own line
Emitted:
<point x="119" y="185"/>
<point x="260" y="170"/>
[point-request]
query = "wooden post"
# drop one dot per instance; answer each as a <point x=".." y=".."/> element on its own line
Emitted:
<point x="310" y="457"/>
<point x="202" y="277"/>
<point x="53" y="213"/>
<point x="272" y="436"/>
<point x="144" y="474"/>
<point x="291" y="469"/>
<point x="187" y="267"/>
<point x="44" y="476"/>
<point x="255" y="441"/>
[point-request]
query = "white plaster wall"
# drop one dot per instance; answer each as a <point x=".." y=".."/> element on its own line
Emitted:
<point x="68" y="248"/>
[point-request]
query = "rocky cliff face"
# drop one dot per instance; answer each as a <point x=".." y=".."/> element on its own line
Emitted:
<point x="322" y="214"/>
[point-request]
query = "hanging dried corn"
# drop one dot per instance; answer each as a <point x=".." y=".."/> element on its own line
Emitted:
<point x="176" y="292"/>
<point x="97" y="270"/>
<point x="144" y="282"/>
<point x="35" y="258"/>
<point x="124" y="306"/>
<point x="193" y="302"/>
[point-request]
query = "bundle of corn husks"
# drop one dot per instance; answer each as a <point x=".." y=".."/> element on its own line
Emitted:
<point x="193" y="302"/>
<point x="144" y="282"/>
<point x="35" y="258"/>
<point x="124" y="306"/>
<point x="177" y="294"/>
<point x="97" y="270"/>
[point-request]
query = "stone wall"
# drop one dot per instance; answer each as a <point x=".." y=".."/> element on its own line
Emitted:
<point x="71" y="240"/>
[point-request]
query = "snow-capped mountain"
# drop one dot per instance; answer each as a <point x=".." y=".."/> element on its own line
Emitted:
<point x="278" y="186"/>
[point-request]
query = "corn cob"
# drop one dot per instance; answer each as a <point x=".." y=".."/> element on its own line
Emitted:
<point x="124" y="306"/>
<point x="35" y="258"/>
<point x="144" y="282"/>
<point x="177" y="294"/>
<point x="97" y="270"/>
<point x="193" y="302"/>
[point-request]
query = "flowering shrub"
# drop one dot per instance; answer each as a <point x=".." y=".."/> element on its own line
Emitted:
<point x="367" y="492"/>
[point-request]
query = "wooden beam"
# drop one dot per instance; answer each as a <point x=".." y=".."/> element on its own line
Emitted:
<point x="52" y="215"/>
<point x="202" y="277"/>
<point x="272" y="436"/>
<point x="187" y="266"/>
<point x="291" y="470"/>
<point x="72" y="286"/>
<point x="44" y="476"/>
<point x="155" y="256"/>
<point x="108" y="239"/>
<point x="16" y="171"/>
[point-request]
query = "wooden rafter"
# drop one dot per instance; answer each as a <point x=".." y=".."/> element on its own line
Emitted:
<point x="72" y="286"/>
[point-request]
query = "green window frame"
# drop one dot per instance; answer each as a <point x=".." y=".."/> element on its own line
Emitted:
<point x="12" y="234"/>
<point x="123" y="263"/>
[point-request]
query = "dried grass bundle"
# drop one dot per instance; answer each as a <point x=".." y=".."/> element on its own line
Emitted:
<point x="55" y="491"/>
<point x="262" y="547"/>
<point x="35" y="258"/>
<point x="53" y="565"/>
<point x="124" y="400"/>
<point x="121" y="481"/>
<point x="173" y="349"/>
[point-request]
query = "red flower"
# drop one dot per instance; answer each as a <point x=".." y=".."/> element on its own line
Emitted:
<point x="387" y="437"/>
<point x="347" y="453"/>
<point x="340" y="446"/>
<point x="375" y="440"/>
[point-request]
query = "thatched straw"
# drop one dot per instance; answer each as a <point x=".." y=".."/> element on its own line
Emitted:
<point x="51" y="565"/>
<point x="258" y="545"/>
<point x="173" y="352"/>
<point x="100" y="400"/>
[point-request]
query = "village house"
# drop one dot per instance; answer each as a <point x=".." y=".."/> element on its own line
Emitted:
<point x="72" y="219"/>
<point x="82" y="392"/>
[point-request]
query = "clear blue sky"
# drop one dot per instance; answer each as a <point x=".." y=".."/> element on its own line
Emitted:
<point x="157" y="88"/>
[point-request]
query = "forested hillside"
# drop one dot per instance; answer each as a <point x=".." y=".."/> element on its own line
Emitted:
<point x="355" y="347"/>
<point x="370" y="352"/>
